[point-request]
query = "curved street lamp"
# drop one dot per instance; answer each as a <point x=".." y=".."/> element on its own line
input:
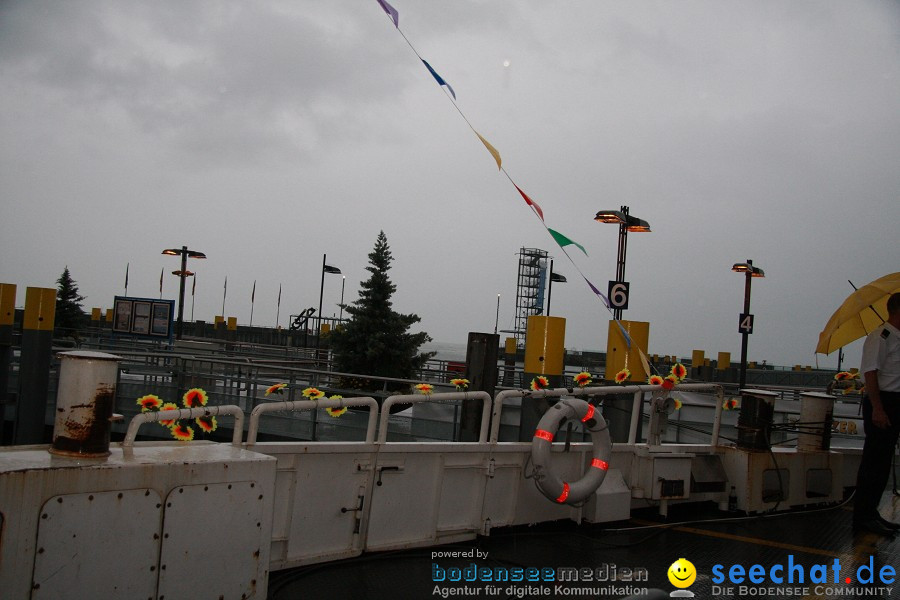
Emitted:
<point x="182" y="274"/>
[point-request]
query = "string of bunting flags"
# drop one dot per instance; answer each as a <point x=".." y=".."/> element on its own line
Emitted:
<point x="560" y="239"/>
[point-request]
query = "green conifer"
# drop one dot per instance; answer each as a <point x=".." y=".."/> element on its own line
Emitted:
<point x="70" y="316"/>
<point x="376" y="340"/>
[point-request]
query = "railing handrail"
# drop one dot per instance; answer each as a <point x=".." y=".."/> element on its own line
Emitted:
<point x="291" y="405"/>
<point x="187" y="413"/>
<point x="440" y="397"/>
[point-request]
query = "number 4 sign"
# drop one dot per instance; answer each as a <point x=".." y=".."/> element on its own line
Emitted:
<point x="745" y="324"/>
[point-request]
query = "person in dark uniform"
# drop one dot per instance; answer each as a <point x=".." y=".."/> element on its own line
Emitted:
<point x="880" y="367"/>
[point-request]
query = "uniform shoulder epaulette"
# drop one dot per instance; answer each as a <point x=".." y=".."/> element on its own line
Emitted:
<point x="885" y="333"/>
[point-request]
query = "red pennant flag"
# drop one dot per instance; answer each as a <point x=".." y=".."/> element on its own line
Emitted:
<point x="531" y="203"/>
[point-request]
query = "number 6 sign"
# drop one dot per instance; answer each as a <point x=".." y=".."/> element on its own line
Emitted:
<point x="618" y="294"/>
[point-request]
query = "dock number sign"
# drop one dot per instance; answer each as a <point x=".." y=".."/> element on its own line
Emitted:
<point x="618" y="294"/>
<point x="745" y="323"/>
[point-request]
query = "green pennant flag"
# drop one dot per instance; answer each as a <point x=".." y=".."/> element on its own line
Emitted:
<point x="564" y="241"/>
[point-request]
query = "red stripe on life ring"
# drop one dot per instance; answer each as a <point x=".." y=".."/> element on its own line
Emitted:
<point x="589" y="415"/>
<point x="565" y="493"/>
<point x="600" y="464"/>
<point x="544" y="435"/>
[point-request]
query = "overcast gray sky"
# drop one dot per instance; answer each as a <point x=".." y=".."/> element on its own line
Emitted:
<point x="268" y="133"/>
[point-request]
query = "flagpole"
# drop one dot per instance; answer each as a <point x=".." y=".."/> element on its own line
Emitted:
<point x="278" y="309"/>
<point x="224" y="293"/>
<point x="193" y="292"/>
<point x="161" y="281"/>
<point x="126" y="277"/>
<point x="252" y="302"/>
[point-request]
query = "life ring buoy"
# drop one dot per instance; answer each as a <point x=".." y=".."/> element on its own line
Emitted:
<point x="548" y="481"/>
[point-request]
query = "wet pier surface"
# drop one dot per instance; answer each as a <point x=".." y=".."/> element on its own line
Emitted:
<point x="801" y="554"/>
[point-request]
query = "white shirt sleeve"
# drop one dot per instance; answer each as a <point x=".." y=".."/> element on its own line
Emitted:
<point x="874" y="349"/>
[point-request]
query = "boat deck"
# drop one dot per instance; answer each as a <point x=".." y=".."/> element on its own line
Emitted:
<point x="614" y="553"/>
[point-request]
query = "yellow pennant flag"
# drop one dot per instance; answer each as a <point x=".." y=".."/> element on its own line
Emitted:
<point x="490" y="149"/>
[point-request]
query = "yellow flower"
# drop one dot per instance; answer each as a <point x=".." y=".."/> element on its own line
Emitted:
<point x="194" y="397"/>
<point x="460" y="383"/>
<point x="622" y="376"/>
<point x="149" y="402"/>
<point x="313" y="393"/>
<point x="679" y="371"/>
<point x="336" y="412"/>
<point x="678" y="404"/>
<point x="207" y="424"/>
<point x="168" y="406"/>
<point x="583" y="379"/>
<point x="276" y="389"/>
<point x="730" y="404"/>
<point x="182" y="433"/>
<point x="424" y="388"/>
<point x="540" y="383"/>
<point x="655" y="380"/>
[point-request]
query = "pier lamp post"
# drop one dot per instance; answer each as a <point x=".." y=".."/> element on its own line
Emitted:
<point x="325" y="269"/>
<point x="618" y="289"/>
<point x="745" y="322"/>
<point x="182" y="274"/>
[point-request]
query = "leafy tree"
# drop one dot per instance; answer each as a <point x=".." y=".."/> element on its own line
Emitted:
<point x="376" y="339"/>
<point x="70" y="316"/>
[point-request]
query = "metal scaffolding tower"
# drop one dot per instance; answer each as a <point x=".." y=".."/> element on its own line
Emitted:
<point x="532" y="280"/>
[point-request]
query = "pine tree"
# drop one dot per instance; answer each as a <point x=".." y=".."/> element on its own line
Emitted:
<point x="70" y="316"/>
<point x="376" y="339"/>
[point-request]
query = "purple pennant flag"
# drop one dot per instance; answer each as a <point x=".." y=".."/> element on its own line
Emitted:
<point x="391" y="11"/>
<point x="438" y="78"/>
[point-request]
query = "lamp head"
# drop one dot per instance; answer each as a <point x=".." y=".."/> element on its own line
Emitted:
<point x="748" y="267"/>
<point x="635" y="225"/>
<point x="610" y="216"/>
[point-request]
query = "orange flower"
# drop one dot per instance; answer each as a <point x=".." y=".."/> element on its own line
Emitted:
<point x="168" y="406"/>
<point x="730" y="404"/>
<point x="336" y="412"/>
<point x="182" y="433"/>
<point x="622" y="376"/>
<point x="583" y="379"/>
<point x="655" y="380"/>
<point x="669" y="382"/>
<point x="194" y="397"/>
<point x="679" y="371"/>
<point x="207" y="424"/>
<point x="540" y="383"/>
<point x="424" y="388"/>
<point x="678" y="404"/>
<point x="276" y="389"/>
<point x="845" y="375"/>
<point x="149" y="402"/>
<point x="313" y="393"/>
<point x="460" y="383"/>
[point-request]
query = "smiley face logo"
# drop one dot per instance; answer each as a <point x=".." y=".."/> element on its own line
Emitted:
<point x="682" y="573"/>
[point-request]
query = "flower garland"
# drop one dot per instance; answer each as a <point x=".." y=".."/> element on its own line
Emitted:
<point x="313" y="393"/>
<point x="193" y="398"/>
<point x="278" y="388"/>
<point x="582" y="379"/>
<point x="461" y="384"/>
<point x="847" y="382"/>
<point x="540" y="383"/>
<point x="336" y="412"/>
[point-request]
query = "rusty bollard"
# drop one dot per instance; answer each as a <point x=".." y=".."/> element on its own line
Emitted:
<point x="84" y="404"/>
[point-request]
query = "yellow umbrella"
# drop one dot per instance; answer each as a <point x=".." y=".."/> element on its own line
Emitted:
<point x="862" y="311"/>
